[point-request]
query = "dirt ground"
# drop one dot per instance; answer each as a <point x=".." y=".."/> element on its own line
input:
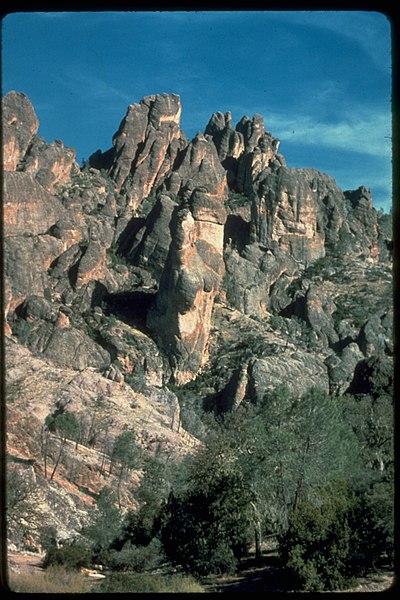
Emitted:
<point x="24" y="562"/>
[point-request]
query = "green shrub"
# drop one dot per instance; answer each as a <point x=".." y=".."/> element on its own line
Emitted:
<point x="149" y="583"/>
<point x="315" y="547"/>
<point x="135" y="558"/>
<point x="208" y="529"/>
<point x="344" y="536"/>
<point x="23" y="331"/>
<point x="71" y="556"/>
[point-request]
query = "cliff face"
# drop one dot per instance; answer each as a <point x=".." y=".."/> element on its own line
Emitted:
<point x="163" y="260"/>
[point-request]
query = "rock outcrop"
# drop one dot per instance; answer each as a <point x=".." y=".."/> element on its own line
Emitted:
<point x="20" y="124"/>
<point x="145" y="146"/>
<point x="153" y="217"/>
<point x="207" y="266"/>
<point x="194" y="268"/>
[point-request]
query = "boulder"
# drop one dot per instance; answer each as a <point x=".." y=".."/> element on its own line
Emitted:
<point x="51" y="164"/>
<point x="299" y="370"/>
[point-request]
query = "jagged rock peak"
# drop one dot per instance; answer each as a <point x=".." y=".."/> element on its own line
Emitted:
<point x="20" y="124"/>
<point x="145" y="146"/>
<point x="23" y="150"/>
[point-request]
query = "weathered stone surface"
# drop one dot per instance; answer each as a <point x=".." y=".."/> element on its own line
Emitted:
<point x="20" y="124"/>
<point x="245" y="151"/>
<point x="92" y="265"/>
<point x="306" y="370"/>
<point x="341" y="368"/>
<point x="362" y="222"/>
<point x="199" y="169"/>
<point x="181" y="317"/>
<point x="290" y="211"/>
<point x="229" y="142"/>
<point x="37" y="307"/>
<point x="181" y="239"/>
<point x="149" y="246"/>
<point x="373" y="376"/>
<point x="28" y="208"/>
<point x="252" y="275"/>
<point x="26" y="262"/>
<point x="146" y="145"/>
<point x="194" y="266"/>
<point x="51" y="164"/>
<point x="36" y="387"/>
<point x="68" y="347"/>
<point x="375" y="336"/>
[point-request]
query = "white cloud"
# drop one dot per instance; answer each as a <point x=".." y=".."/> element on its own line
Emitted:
<point x="366" y="132"/>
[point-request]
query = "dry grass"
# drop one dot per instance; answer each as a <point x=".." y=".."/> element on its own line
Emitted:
<point x="149" y="583"/>
<point x="54" y="580"/>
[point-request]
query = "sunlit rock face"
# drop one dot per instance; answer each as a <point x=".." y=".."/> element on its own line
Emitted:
<point x="194" y="268"/>
<point x="144" y="147"/>
<point x="20" y="124"/>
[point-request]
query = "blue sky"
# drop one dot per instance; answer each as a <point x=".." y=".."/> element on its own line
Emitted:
<point x="322" y="80"/>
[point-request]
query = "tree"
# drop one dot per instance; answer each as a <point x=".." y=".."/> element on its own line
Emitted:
<point x="341" y="536"/>
<point x="372" y="420"/>
<point x="67" y="427"/>
<point x="23" y="497"/>
<point x="142" y="525"/>
<point x="206" y="531"/>
<point x="294" y="447"/>
<point x="105" y="525"/>
<point x="286" y="448"/>
<point x="315" y="546"/>
<point x="127" y="454"/>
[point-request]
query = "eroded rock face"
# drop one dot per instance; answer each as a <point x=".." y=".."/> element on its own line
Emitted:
<point x="194" y="268"/>
<point x="26" y="263"/>
<point x="300" y="210"/>
<point x="20" y="124"/>
<point x="28" y="208"/>
<point x="149" y="247"/>
<point x="67" y="229"/>
<point x="23" y="150"/>
<point x="305" y="371"/>
<point x="51" y="164"/>
<point x="145" y="146"/>
<point x="245" y="151"/>
<point x="191" y="278"/>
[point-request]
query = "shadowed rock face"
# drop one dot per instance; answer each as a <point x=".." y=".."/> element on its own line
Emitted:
<point x="28" y="207"/>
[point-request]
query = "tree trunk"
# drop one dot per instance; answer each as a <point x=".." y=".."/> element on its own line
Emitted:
<point x="300" y="481"/>
<point x="119" y="486"/>
<point x="58" y="458"/>
<point x="257" y="530"/>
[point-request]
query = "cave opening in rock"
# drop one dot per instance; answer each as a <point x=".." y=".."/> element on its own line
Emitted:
<point x="130" y="307"/>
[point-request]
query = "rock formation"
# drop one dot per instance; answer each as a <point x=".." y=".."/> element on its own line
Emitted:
<point x="193" y="271"/>
<point x="145" y="146"/>
<point x="206" y="265"/>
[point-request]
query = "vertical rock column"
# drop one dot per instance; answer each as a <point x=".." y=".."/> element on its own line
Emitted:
<point x="192" y="275"/>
